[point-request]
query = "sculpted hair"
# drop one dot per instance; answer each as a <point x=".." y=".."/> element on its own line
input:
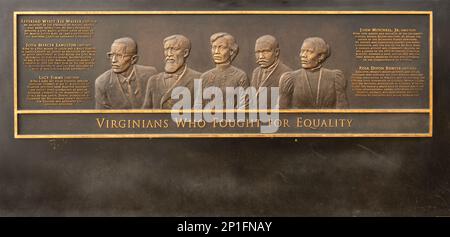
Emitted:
<point x="130" y="44"/>
<point x="231" y="42"/>
<point x="270" y="39"/>
<point x="320" y="45"/>
<point x="182" y="40"/>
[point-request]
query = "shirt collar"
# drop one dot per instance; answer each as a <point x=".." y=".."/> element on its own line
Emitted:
<point x="315" y="69"/>
<point x="130" y="77"/>
<point x="273" y="66"/>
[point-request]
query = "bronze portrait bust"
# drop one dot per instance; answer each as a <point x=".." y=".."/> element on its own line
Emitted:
<point x="313" y="86"/>
<point x="270" y="69"/>
<point x="123" y="86"/>
<point x="176" y="74"/>
<point x="224" y="50"/>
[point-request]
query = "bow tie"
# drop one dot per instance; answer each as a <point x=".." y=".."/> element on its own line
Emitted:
<point x="265" y="70"/>
<point x="170" y="75"/>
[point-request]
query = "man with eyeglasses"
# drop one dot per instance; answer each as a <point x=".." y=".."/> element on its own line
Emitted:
<point x="123" y="86"/>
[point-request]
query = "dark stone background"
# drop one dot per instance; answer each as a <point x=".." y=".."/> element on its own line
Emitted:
<point x="227" y="177"/>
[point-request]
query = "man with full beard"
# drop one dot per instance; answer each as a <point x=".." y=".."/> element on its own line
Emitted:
<point x="176" y="74"/>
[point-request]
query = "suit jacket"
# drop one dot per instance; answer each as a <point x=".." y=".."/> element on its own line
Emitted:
<point x="230" y="77"/>
<point x="110" y="95"/>
<point x="295" y="91"/>
<point x="271" y="80"/>
<point x="157" y="96"/>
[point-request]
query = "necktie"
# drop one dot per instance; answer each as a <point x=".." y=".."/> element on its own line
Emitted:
<point x="263" y="77"/>
<point x="129" y="89"/>
<point x="130" y="92"/>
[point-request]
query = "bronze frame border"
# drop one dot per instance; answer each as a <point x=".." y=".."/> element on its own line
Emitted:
<point x="201" y="135"/>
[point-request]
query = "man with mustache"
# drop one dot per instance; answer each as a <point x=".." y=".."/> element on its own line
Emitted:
<point x="176" y="74"/>
<point x="123" y="86"/>
<point x="224" y="50"/>
<point x="313" y="86"/>
<point x="267" y="75"/>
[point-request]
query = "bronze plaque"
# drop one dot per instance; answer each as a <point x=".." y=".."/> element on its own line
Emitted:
<point x="144" y="74"/>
